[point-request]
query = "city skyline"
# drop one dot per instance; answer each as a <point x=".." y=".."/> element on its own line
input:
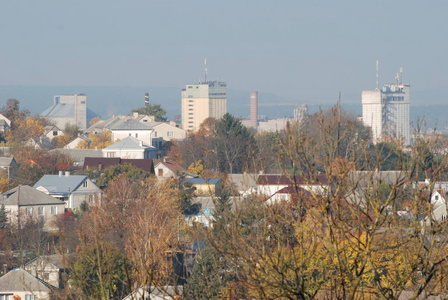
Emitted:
<point x="301" y="52"/>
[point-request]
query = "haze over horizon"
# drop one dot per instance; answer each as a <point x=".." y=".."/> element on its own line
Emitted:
<point x="292" y="51"/>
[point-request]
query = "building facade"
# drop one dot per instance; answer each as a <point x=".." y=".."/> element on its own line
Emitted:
<point x="387" y="112"/>
<point x="69" y="109"/>
<point x="202" y="101"/>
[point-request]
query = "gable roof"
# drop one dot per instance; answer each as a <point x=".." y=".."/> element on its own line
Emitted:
<point x="78" y="155"/>
<point x="174" y="166"/>
<point x="7" y="161"/>
<point x="58" y="261"/>
<point x="128" y="143"/>
<point x="60" y="184"/>
<point x="131" y="124"/>
<point x="24" y="195"/>
<point x="145" y="164"/>
<point x="276" y="179"/>
<point x="19" y="280"/>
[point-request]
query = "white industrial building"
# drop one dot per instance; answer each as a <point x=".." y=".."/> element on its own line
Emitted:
<point x="386" y="111"/>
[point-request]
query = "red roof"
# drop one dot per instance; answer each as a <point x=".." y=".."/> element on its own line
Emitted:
<point x="174" y="166"/>
<point x="145" y="164"/>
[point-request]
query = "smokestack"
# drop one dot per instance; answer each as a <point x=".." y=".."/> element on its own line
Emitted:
<point x="146" y="99"/>
<point x="254" y="110"/>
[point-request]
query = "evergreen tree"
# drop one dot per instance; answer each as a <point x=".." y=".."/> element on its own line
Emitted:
<point x="152" y="110"/>
<point x="3" y="217"/>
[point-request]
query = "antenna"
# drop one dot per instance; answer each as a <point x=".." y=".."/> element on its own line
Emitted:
<point x="146" y="99"/>
<point x="377" y="73"/>
<point x="205" y="70"/>
<point x="399" y="76"/>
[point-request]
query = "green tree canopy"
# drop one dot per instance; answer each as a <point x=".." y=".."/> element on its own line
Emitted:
<point x="152" y="110"/>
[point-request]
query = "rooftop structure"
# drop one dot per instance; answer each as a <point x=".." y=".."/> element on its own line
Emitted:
<point x="202" y="101"/>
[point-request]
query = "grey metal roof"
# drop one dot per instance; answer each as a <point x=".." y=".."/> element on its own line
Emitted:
<point x="57" y="260"/>
<point x="6" y="161"/>
<point x="60" y="184"/>
<point x="59" y="110"/>
<point x="24" y="195"/>
<point x="78" y="155"/>
<point x="131" y="124"/>
<point x="202" y="180"/>
<point x="128" y="143"/>
<point x="19" y="280"/>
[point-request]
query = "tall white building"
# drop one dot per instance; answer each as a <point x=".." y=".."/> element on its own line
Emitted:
<point x="201" y="101"/>
<point x="386" y="111"/>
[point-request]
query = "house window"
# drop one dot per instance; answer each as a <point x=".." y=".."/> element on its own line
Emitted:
<point x="6" y="296"/>
<point x="160" y="172"/>
<point x="40" y="210"/>
<point x="443" y="217"/>
<point x="84" y="184"/>
<point x="54" y="210"/>
<point x="130" y="134"/>
<point x="437" y="197"/>
<point x="55" y="133"/>
<point x="28" y="211"/>
<point x="136" y="135"/>
<point x="155" y="134"/>
<point x="46" y="276"/>
<point x="110" y="154"/>
<point x="170" y="133"/>
<point x="29" y="297"/>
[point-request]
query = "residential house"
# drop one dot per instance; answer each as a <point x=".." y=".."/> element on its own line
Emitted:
<point x="100" y="163"/>
<point x="72" y="189"/>
<point x="156" y="293"/>
<point x="288" y="194"/>
<point x="439" y="205"/>
<point x="19" y="284"/>
<point x="134" y="128"/>
<point x="270" y="184"/>
<point x="5" y="123"/>
<point x="6" y="164"/>
<point x="23" y="202"/>
<point x="167" y="131"/>
<point x="78" y="155"/>
<point x="105" y="125"/>
<point x="205" y="187"/>
<point x="130" y="148"/>
<point x="52" y="269"/>
<point x="171" y="169"/>
<point x="52" y="131"/>
<point x="75" y="143"/>
<point x="240" y="183"/>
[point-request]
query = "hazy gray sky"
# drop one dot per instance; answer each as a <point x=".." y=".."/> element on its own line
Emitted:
<point x="298" y="49"/>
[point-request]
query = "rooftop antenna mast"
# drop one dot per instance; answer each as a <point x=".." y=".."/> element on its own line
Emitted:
<point x="205" y="70"/>
<point x="399" y="76"/>
<point x="377" y="74"/>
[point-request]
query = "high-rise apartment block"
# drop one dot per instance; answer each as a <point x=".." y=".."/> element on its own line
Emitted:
<point x="386" y="111"/>
<point x="202" y="101"/>
<point x="300" y="112"/>
<point x="254" y="110"/>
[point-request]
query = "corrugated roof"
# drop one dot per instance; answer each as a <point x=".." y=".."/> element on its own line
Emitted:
<point x="24" y="195"/>
<point x="131" y="124"/>
<point x="56" y="184"/>
<point x="128" y="143"/>
<point x="19" y="280"/>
